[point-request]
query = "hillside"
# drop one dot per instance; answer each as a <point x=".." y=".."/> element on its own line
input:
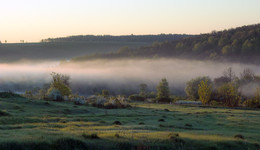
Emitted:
<point x="74" y="46"/>
<point x="241" y="44"/>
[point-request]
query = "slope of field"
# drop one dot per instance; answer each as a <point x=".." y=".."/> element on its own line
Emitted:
<point x="75" y="46"/>
<point x="38" y="124"/>
<point x="59" y="50"/>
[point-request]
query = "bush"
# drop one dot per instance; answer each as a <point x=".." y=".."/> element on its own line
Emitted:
<point x="117" y="123"/>
<point x="112" y="103"/>
<point x="54" y="94"/>
<point x="136" y="97"/>
<point x="78" y="100"/>
<point x="164" y="100"/>
<point x="91" y="136"/>
<point x="9" y="95"/>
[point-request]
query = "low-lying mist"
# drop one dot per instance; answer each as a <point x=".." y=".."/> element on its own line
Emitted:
<point x="119" y="76"/>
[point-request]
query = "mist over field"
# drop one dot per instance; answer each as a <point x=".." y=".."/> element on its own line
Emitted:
<point x="120" y="76"/>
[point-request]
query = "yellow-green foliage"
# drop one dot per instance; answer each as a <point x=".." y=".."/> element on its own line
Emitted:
<point x="64" y="90"/>
<point x="255" y="101"/>
<point x="204" y="91"/>
<point x="60" y="82"/>
<point x="229" y="94"/>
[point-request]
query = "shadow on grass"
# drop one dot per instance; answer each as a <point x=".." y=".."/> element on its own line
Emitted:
<point x="68" y="143"/>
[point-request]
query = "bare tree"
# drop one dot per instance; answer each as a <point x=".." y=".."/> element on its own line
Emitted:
<point x="229" y="74"/>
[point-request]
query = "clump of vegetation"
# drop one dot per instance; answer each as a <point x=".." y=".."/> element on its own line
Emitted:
<point x="4" y="113"/>
<point x="113" y="103"/>
<point x="141" y="123"/>
<point x="136" y="97"/>
<point x="255" y="101"/>
<point x="117" y="135"/>
<point x="161" y="120"/>
<point x="117" y="122"/>
<point x="239" y="136"/>
<point x="173" y="135"/>
<point x="77" y="100"/>
<point x="188" y="125"/>
<point x="91" y="136"/>
<point x="9" y="95"/>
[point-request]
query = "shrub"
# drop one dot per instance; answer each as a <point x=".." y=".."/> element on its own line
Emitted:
<point x="4" y="113"/>
<point x="117" y="123"/>
<point x="117" y="135"/>
<point x="112" y="103"/>
<point x="161" y="120"/>
<point x="255" y="101"/>
<point x="229" y="94"/>
<point x="9" y="95"/>
<point x="78" y="100"/>
<point x="54" y="94"/>
<point x="91" y="136"/>
<point x="239" y="136"/>
<point x="136" y="97"/>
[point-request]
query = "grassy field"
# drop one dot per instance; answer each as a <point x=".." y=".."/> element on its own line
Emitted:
<point x="38" y="124"/>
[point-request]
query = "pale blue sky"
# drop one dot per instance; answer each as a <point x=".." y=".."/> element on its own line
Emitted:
<point x="32" y="20"/>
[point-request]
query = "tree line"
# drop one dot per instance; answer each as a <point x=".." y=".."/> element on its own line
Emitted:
<point x="122" y="38"/>
<point x="239" y="44"/>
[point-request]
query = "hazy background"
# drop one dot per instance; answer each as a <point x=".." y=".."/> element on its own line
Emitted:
<point x="32" y="20"/>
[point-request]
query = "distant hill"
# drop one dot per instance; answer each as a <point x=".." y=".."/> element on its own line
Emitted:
<point x="74" y="46"/>
<point x="241" y="44"/>
<point x="122" y="38"/>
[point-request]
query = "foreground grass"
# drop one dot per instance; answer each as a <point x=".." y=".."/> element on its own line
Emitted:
<point x="35" y="124"/>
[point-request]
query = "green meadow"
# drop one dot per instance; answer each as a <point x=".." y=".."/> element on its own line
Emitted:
<point x="39" y="124"/>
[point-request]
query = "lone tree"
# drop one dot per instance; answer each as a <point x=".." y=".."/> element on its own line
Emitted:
<point x="163" y="92"/>
<point x="143" y="88"/>
<point x="229" y="74"/>
<point x="60" y="84"/>
<point x="204" y="91"/>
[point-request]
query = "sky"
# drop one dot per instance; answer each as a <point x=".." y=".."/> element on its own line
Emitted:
<point x="33" y="20"/>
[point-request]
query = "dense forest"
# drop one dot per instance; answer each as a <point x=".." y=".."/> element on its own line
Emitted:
<point x="122" y="38"/>
<point x="241" y="44"/>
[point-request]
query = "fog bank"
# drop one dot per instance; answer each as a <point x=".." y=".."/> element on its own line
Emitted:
<point x="119" y="75"/>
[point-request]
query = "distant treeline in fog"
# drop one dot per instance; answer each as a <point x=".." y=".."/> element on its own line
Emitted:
<point x="121" y="38"/>
<point x="241" y="44"/>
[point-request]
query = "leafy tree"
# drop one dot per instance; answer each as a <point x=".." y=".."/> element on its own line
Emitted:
<point x="192" y="86"/>
<point x="163" y="92"/>
<point x="229" y="95"/>
<point x="143" y="88"/>
<point x="226" y="50"/>
<point x="204" y="91"/>
<point x="60" y="82"/>
<point x="63" y="78"/>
